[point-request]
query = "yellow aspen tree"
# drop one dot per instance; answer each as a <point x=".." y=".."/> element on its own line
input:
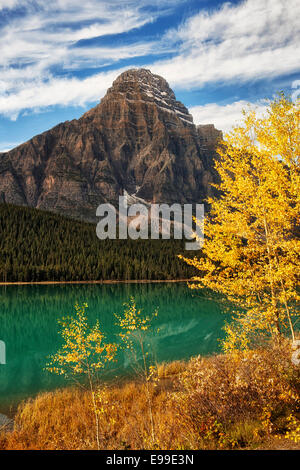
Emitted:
<point x="251" y="253"/>
<point x="135" y="327"/>
<point x="83" y="353"/>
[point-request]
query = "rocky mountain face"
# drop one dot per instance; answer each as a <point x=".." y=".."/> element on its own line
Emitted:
<point x="138" y="139"/>
<point x="209" y="135"/>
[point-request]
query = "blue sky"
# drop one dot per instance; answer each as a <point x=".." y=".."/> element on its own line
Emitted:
<point x="58" y="58"/>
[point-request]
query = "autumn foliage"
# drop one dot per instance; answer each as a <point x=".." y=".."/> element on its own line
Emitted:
<point x="220" y="402"/>
<point x="248" y="397"/>
<point x="251" y="253"/>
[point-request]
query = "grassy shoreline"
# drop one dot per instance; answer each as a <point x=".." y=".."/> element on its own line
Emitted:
<point x="242" y="401"/>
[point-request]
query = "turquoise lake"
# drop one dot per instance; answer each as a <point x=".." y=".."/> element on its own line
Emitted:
<point x="189" y="324"/>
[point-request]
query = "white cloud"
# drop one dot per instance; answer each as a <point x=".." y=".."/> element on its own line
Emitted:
<point x="45" y="38"/>
<point x="224" y="117"/>
<point x="48" y="37"/>
<point x="255" y="39"/>
<point x="63" y="92"/>
<point x="296" y="90"/>
<point x="8" y="4"/>
<point x="237" y="43"/>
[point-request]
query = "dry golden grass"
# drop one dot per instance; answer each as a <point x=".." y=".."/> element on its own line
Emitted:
<point x="221" y="402"/>
<point x="64" y="420"/>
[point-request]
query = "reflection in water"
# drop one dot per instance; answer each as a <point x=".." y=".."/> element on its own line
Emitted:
<point x="188" y="326"/>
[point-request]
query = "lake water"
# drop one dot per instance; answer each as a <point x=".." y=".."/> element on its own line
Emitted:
<point x="189" y="325"/>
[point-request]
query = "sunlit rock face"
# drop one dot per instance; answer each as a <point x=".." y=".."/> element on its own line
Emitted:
<point x="138" y="139"/>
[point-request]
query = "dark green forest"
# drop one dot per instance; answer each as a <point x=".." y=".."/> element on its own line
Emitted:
<point x="41" y="246"/>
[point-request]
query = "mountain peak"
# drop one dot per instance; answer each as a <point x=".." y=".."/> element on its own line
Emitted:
<point x="145" y="78"/>
<point x="138" y="140"/>
<point x="142" y="85"/>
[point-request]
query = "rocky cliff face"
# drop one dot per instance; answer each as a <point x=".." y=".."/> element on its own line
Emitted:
<point x="209" y="136"/>
<point x="139" y="139"/>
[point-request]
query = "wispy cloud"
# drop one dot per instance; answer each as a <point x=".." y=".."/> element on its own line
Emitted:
<point x="57" y="91"/>
<point x="40" y="54"/>
<point x="47" y="41"/>
<point x="255" y="39"/>
<point x="224" y="117"/>
<point x="47" y="34"/>
<point x="8" y="4"/>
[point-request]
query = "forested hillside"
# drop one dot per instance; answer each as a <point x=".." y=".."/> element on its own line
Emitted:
<point x="41" y="246"/>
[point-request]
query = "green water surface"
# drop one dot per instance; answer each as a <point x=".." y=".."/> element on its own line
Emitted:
<point x="189" y="325"/>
